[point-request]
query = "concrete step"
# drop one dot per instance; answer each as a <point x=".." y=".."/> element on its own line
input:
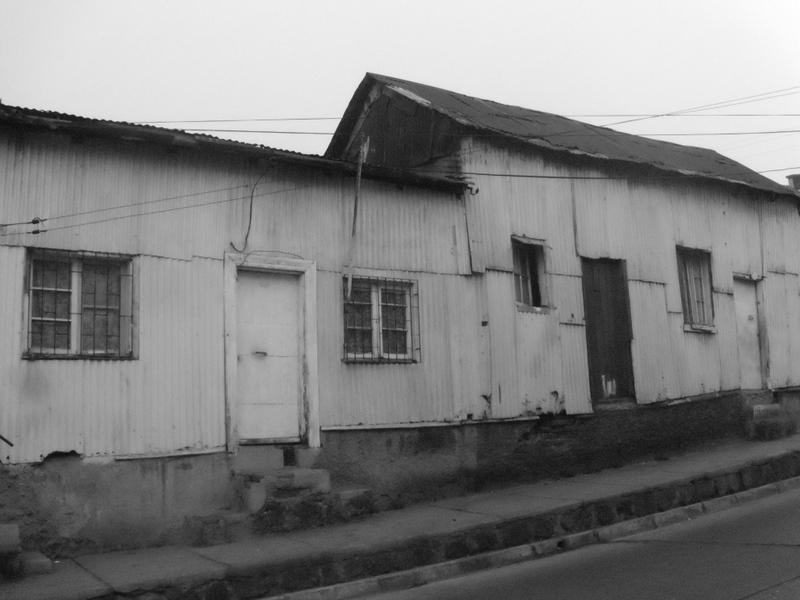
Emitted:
<point x="286" y="482"/>
<point x="769" y="422"/>
<point x="258" y="459"/>
<point x="313" y="510"/>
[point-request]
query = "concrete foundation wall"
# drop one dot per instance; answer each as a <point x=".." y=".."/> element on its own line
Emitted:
<point x="406" y="465"/>
<point x="66" y="505"/>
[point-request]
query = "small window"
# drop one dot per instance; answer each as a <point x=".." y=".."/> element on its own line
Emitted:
<point x="381" y="320"/>
<point x="79" y="305"/>
<point x="528" y="273"/>
<point x="694" y="275"/>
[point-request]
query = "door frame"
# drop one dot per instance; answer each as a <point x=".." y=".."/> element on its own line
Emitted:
<point x="631" y="377"/>
<point x="306" y="270"/>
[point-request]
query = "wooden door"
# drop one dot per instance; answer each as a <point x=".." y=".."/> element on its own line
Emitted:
<point x="268" y="353"/>
<point x="747" y="333"/>
<point x="608" y="329"/>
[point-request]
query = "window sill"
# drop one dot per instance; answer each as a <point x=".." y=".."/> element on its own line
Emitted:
<point x="527" y="308"/>
<point x="379" y="361"/>
<point x="699" y="328"/>
<point x="36" y="356"/>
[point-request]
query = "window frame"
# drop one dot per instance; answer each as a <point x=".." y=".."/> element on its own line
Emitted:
<point x="377" y="286"/>
<point x="698" y="309"/>
<point x="126" y="309"/>
<point x="524" y="250"/>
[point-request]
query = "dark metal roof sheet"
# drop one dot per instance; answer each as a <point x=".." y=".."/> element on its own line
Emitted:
<point x="50" y="120"/>
<point x="556" y="133"/>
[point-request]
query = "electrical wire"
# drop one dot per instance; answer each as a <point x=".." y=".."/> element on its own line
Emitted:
<point x="37" y="220"/>
<point x="250" y="217"/>
<point x="239" y="120"/>
<point x="148" y="213"/>
<point x="197" y="129"/>
<point x="721" y="104"/>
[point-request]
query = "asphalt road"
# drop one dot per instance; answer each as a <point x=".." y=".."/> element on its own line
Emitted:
<point x="752" y="551"/>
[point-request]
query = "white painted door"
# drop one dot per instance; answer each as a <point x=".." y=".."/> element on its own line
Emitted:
<point x="268" y="356"/>
<point x="744" y="293"/>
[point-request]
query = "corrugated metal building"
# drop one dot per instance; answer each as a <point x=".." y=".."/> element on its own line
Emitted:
<point x="177" y="207"/>
<point x="617" y="270"/>
<point x="175" y="295"/>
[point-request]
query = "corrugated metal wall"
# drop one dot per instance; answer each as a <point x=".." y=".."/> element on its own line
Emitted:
<point x="172" y="398"/>
<point x="641" y="223"/>
<point x="178" y="212"/>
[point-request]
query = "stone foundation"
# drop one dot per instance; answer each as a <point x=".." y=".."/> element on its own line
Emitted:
<point x="408" y="465"/>
<point x="67" y="505"/>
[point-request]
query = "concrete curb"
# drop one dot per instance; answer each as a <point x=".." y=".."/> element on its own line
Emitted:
<point x="525" y="552"/>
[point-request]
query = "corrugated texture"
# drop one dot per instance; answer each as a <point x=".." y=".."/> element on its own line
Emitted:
<point x="551" y="131"/>
<point x="84" y="128"/>
<point x="781" y="308"/>
<point x="641" y="223"/>
<point x="653" y="367"/>
<point x="181" y="206"/>
<point x="442" y="387"/>
<point x="575" y="370"/>
<point x="170" y="399"/>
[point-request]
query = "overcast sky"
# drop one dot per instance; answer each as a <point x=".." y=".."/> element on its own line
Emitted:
<point x="147" y="60"/>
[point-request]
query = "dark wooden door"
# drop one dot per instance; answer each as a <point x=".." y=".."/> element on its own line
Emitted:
<point x="608" y="329"/>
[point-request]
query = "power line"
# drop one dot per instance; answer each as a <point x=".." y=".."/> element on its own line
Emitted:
<point x="721" y="104"/>
<point x="707" y="133"/>
<point x="256" y="120"/>
<point x="153" y="212"/>
<point x="545" y="135"/>
<point x="201" y="130"/>
<point x="650" y="115"/>
<point x="40" y="220"/>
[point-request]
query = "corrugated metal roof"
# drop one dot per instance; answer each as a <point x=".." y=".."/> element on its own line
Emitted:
<point x="555" y="133"/>
<point x="133" y="132"/>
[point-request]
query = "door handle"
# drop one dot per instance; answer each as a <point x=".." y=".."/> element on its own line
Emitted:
<point x="259" y="353"/>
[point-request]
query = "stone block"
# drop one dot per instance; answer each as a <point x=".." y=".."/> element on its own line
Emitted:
<point x="35" y="563"/>
<point x="9" y="538"/>
<point x="255" y="495"/>
<point x="625" y="528"/>
<point x="257" y="460"/>
<point x="703" y="489"/>
<point x="295" y="479"/>
<point x="307" y="458"/>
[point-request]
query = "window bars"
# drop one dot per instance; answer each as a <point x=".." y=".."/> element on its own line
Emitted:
<point x="381" y="320"/>
<point x="79" y="305"/>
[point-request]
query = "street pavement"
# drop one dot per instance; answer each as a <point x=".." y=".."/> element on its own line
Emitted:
<point x="750" y="551"/>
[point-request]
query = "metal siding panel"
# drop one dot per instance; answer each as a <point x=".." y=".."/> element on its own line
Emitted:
<point x="297" y="211"/>
<point x="781" y="309"/>
<point x="538" y="365"/>
<point x="725" y="324"/>
<point x="505" y="395"/>
<point x="566" y="297"/>
<point x="652" y="357"/>
<point x="376" y="394"/>
<point x="696" y="357"/>
<point x="170" y="399"/>
<point x="575" y="370"/>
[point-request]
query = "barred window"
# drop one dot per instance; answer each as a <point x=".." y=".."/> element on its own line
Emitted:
<point x="381" y="320"/>
<point x="694" y="275"/>
<point x="79" y="305"/>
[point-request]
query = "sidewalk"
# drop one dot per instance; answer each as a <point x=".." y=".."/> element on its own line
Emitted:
<point x="555" y="513"/>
